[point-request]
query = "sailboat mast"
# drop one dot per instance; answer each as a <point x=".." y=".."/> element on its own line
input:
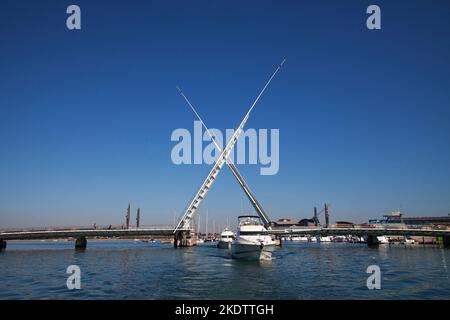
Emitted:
<point x="206" y="227"/>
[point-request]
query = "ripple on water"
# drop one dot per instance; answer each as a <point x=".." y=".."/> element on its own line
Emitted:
<point x="128" y="270"/>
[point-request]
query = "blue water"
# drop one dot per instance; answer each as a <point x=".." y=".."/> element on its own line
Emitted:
<point x="138" y="270"/>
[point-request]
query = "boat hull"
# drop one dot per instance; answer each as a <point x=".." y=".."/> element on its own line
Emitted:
<point x="246" y="250"/>
<point x="224" y="245"/>
<point x="324" y="239"/>
<point x="382" y="240"/>
<point x="299" y="239"/>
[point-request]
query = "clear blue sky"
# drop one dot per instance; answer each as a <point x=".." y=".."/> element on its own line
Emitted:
<point x="86" y="116"/>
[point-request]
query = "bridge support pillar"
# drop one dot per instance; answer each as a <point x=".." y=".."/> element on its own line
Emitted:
<point x="446" y="241"/>
<point x="372" y="241"/>
<point x="81" y="243"/>
<point x="175" y="241"/>
<point x="2" y="244"/>
<point x="278" y="241"/>
<point x="184" y="239"/>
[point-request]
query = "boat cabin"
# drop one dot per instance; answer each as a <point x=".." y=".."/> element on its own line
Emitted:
<point x="249" y="221"/>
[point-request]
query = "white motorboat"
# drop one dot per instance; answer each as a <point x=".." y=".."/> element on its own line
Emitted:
<point x="253" y="241"/>
<point x="382" y="240"/>
<point x="226" y="238"/>
<point x="299" y="238"/>
<point x="408" y="241"/>
<point x="324" y="239"/>
<point x="356" y="239"/>
<point x="340" y="239"/>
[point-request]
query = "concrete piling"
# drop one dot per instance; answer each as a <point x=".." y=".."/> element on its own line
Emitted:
<point x="3" y="244"/>
<point x="81" y="243"/>
<point x="446" y="241"/>
<point x="372" y="241"/>
<point x="184" y="239"/>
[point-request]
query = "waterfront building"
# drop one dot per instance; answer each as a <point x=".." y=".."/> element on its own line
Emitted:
<point x="396" y="218"/>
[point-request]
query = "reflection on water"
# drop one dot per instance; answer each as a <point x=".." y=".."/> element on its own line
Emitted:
<point x="138" y="270"/>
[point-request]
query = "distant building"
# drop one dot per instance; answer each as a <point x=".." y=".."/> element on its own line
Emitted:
<point x="285" y="222"/>
<point x="344" y="224"/>
<point x="307" y="222"/>
<point x="397" y="218"/>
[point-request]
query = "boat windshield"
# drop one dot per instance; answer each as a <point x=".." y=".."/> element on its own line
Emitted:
<point x="249" y="221"/>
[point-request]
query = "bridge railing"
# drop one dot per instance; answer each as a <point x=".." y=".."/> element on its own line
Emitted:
<point x="32" y="229"/>
<point x="98" y="227"/>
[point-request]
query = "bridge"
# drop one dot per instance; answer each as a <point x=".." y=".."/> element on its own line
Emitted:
<point x="187" y="218"/>
<point x="81" y="234"/>
<point x="184" y="235"/>
<point x="370" y="233"/>
<point x="357" y="231"/>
